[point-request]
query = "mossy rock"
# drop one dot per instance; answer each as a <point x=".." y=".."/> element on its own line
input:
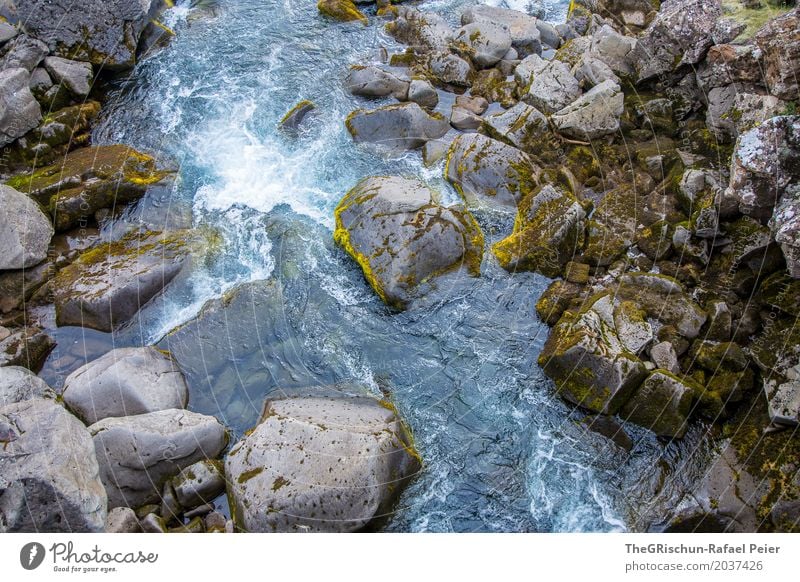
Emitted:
<point x="341" y="10"/>
<point x="718" y="356"/>
<point x="556" y="299"/>
<point x="781" y="292"/>
<point x="662" y="404"/>
<point x="655" y="241"/>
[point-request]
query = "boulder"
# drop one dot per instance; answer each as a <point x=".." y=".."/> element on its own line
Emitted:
<point x="76" y="76"/>
<point x="325" y="464"/>
<point x="422" y="31"/>
<point x="124" y="382"/>
<point x="522" y="28"/>
<point x="464" y="120"/>
<point x="18" y="384"/>
<point x="591" y="71"/>
<point x="27" y="347"/>
<point x="450" y="69"/>
<point x="587" y="360"/>
<point x="486" y="43"/>
<point x="396" y="127"/>
<point x="25" y="231"/>
<point x="342" y="10"/>
<point x="423" y="93"/>
<point x="664" y="356"/>
<point x="752" y="109"/>
<point x="7" y="32"/>
<point x="199" y="483"/>
<point x="293" y="119"/>
<point x="371" y="81"/>
<point x="49" y="480"/>
<point x="613" y="49"/>
<point x="776" y="351"/>
<point x="102" y="32"/>
<point x="730" y="64"/>
<point x="23" y="52"/>
<point x="522" y="126"/>
<point x="779" y="41"/>
<point x="89" y="179"/>
<point x="548" y="232"/>
<point x="106" y="286"/>
<point x="662" y="404"/>
<point x="613" y="225"/>
<point x="785" y="227"/>
<point x="680" y="34"/>
<point x="122" y="520"/>
<point x="138" y="454"/>
<point x="488" y="172"/>
<point x="592" y="115"/>
<point x="527" y="68"/>
<point x="633" y="329"/>
<point x="19" y="110"/>
<point x="402" y="237"/>
<point x="552" y="87"/>
<point x="472" y="103"/>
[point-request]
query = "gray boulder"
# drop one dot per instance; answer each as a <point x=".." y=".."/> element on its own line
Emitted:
<point x="25" y="231"/>
<point x="7" y="32"/>
<point x="371" y="81"/>
<point x="423" y="93"/>
<point x="423" y="31"/>
<point x="122" y="520"/>
<point x="525" y="35"/>
<point x="593" y="115"/>
<point x="613" y="49"/>
<point x="662" y="404"/>
<point x="487" y="43"/>
<point x="521" y="126"/>
<point x="76" y="76"/>
<point x="18" y="384"/>
<point x="400" y="235"/>
<point x="779" y="44"/>
<point x="396" y="127"/>
<point x="49" y="479"/>
<point x="19" y="110"/>
<point x="664" y="356"/>
<point x="106" y="286"/>
<point x="25" y="346"/>
<point x="23" y="52"/>
<point x="776" y="351"/>
<point x="138" y="454"/>
<point x="488" y="172"/>
<point x="785" y="226"/>
<point x="325" y="464"/>
<point x="450" y="69"/>
<point x="591" y="71"/>
<point x="552" y="87"/>
<point x="293" y="120"/>
<point x="125" y="382"/>
<point x="199" y="483"/>
<point x="527" y="68"/>
<point x="752" y="109"/>
<point x="464" y="120"/>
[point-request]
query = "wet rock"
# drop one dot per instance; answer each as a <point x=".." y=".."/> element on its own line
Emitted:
<point x="322" y="464"/>
<point x="423" y="31"/>
<point x="450" y="69"/>
<point x="122" y="520"/>
<point x="124" y="382"/>
<point x="26" y="347"/>
<point x="680" y="34"/>
<point x="293" y="119"/>
<point x="522" y="126"/>
<point x="488" y="172"/>
<point x="436" y="149"/>
<point x="609" y="428"/>
<point x="48" y="471"/>
<point x="89" y="179"/>
<point x="371" y="81"/>
<point x="494" y="87"/>
<point x="76" y="76"/>
<point x="200" y="483"/>
<point x="522" y="28"/>
<point x="423" y="93"/>
<point x="398" y="232"/>
<point x="552" y="87"/>
<point x="575" y="272"/>
<point x="396" y="127"/>
<point x="547" y="234"/>
<point x="18" y="384"/>
<point x="464" y="120"/>
<point x="662" y="404"/>
<point x="19" y="110"/>
<point x="779" y="41"/>
<point x="25" y="232"/>
<point x="486" y="43"/>
<point x="556" y="299"/>
<point x="592" y="115"/>
<point x="588" y="361"/>
<point x="343" y="10"/>
<point x="137" y="454"/>
<point x="106" y="286"/>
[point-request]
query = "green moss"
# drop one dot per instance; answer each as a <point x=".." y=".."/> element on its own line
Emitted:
<point x="247" y="475"/>
<point x="342" y="10"/>
<point x="754" y="18"/>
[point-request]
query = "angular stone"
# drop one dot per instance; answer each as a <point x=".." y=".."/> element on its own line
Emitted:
<point x="592" y="115"/>
<point x="487" y="43"/>
<point x="552" y="87"/>
<point x="522" y="126"/>
<point x="76" y="76"/>
<point x="662" y="404"/>
<point x="463" y="120"/>
<point x="523" y="29"/>
<point x="779" y="41"/>
<point x="25" y="231"/>
<point x="19" y="110"/>
<point x="423" y="93"/>
<point x="450" y="69"/>
<point x="633" y="329"/>
<point x="122" y="520"/>
<point x="372" y="81"/>
<point x="396" y="127"/>
<point x="199" y="483"/>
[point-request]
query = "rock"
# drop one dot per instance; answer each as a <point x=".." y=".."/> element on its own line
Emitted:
<point x="152" y="523"/>
<point x="74" y="75"/>
<point x="718" y="356"/>
<point x="527" y="69"/>
<point x="751" y="110"/>
<point x="398" y="232"/>
<point x="588" y="362"/>
<point x="449" y="69"/>
<point x="215" y="522"/>
<point x="423" y="31"/>
<point x="473" y="104"/>
<point x="719" y="321"/>
<point x="662" y="404"/>
<point x="422" y="93"/>
<point x="522" y="28"/>
<point x="779" y="41"/>
<point x="486" y="43"/>
<point x="730" y="64"/>
<point x="89" y="179"/>
<point x="785" y="227"/>
<point x="7" y="32"/>
<point x="680" y="34"/>
<point x="556" y="299"/>
<point x="493" y="85"/>
<point x="488" y="172"/>
<point x="343" y="10"/>
<point x="102" y="32"/>
<point x="464" y="120"/>
<point x="106" y="286"/>
<point x="613" y="49"/>
<point x="371" y="81"/>
<point x="571" y="52"/>
<point x="27" y="347"/>
<point x="122" y="520"/>
<point x="776" y="351"/>
<point x="613" y="226"/>
<point x="319" y="464"/>
<point x="19" y="110"/>
<point x="633" y="329"/>
<point x="25" y="231"/>
<point x="125" y="382"/>
<point x="170" y="509"/>
<point x="23" y="52"/>
<point x="547" y="234"/>
<point x="49" y="478"/>
<point x="552" y="88"/>
<point x="664" y="356"/>
<point x="18" y="384"/>
<point x="293" y="119"/>
<point x="199" y="483"/>
<point x="436" y="149"/>
<point x="577" y="272"/>
<point x="396" y="127"/>
<point x="591" y="71"/>
<point x="522" y="126"/>
<point x="137" y="454"/>
<point x="608" y="427"/>
<point x="592" y="115"/>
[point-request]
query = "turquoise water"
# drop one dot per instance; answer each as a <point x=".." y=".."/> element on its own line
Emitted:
<point x="501" y="451"/>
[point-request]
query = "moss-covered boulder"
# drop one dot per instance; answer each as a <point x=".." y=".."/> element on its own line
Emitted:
<point x="522" y="126"/>
<point x="293" y="119"/>
<point x="485" y="42"/>
<point x="613" y="225"/>
<point x="662" y="404"/>
<point x="342" y="10"/>
<point x="559" y="296"/>
<point x="89" y="179"/>
<point x="718" y="356"/>
<point x="403" y="238"/>
<point x="396" y="127"/>
<point x="548" y="232"/>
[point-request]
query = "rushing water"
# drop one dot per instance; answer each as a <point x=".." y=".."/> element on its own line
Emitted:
<point x="502" y="452"/>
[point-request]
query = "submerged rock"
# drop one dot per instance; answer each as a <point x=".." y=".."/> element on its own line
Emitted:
<point x="776" y="351"/>
<point x="49" y="480"/>
<point x="396" y="127"/>
<point x="326" y="464"/>
<point x="294" y="117"/>
<point x="25" y="231"/>
<point x="398" y="232"/>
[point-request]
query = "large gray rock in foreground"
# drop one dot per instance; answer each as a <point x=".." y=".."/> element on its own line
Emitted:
<point x="18" y="384"/>
<point x="49" y="477"/>
<point x="137" y="454"/>
<point x="125" y="382"/>
<point x="19" y="110"/>
<point x="396" y="127"/>
<point x="25" y="231"/>
<point x="324" y="464"/>
<point x="402" y="237"/>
